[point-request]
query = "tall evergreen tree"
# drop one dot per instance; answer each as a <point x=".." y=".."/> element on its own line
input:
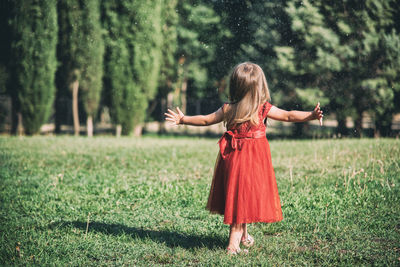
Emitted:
<point x="92" y="63"/>
<point x="132" y="59"/>
<point x="33" y="53"/>
<point x="80" y="52"/>
<point x="5" y="48"/>
<point x="169" y="63"/>
<point x="200" y="33"/>
<point x="148" y="39"/>
<point x="118" y="79"/>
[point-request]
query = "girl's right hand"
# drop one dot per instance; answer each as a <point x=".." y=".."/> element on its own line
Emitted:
<point x="317" y="114"/>
<point x="175" y="118"/>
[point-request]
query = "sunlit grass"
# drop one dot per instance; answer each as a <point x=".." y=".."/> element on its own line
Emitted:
<point x="108" y="201"/>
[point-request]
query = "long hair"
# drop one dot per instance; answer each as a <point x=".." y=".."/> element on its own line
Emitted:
<point x="248" y="89"/>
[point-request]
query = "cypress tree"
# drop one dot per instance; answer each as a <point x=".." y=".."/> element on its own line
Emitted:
<point x="169" y="64"/>
<point x="119" y="84"/>
<point x="92" y="61"/>
<point x="80" y="51"/>
<point x="5" y="46"/>
<point x="132" y="59"/>
<point x="34" y="63"/>
<point x="147" y="59"/>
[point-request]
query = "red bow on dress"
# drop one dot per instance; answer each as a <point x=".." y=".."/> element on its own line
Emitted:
<point x="231" y="139"/>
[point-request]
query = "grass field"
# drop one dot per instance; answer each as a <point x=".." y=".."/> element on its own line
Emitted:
<point x="106" y="201"/>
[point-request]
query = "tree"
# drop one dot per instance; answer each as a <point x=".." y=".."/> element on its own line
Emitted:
<point x="92" y="62"/>
<point x="200" y="32"/>
<point x="132" y="60"/>
<point x="169" y="64"/>
<point x="80" y="52"/>
<point x="238" y="32"/>
<point x="5" y="48"/>
<point x="119" y="86"/>
<point x="388" y="86"/>
<point x="340" y="48"/>
<point x="33" y="53"/>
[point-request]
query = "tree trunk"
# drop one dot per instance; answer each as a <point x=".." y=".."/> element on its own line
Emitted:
<point x="20" y="127"/>
<point x="75" y="88"/>
<point x="358" y="125"/>
<point x="89" y="126"/>
<point x="376" y="133"/>
<point x="170" y="99"/>
<point x="341" y="129"/>
<point x="14" y="117"/>
<point x="298" y="130"/>
<point x="118" y="130"/>
<point x="151" y="108"/>
<point x="163" y="103"/>
<point x="198" y="106"/>
<point x="58" y="115"/>
<point x="183" y="96"/>
<point x="137" y="131"/>
<point x="383" y="125"/>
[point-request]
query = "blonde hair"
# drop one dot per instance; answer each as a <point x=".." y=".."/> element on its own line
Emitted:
<point x="248" y="89"/>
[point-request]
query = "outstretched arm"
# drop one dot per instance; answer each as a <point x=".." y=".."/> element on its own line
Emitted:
<point x="199" y="120"/>
<point x="295" y="115"/>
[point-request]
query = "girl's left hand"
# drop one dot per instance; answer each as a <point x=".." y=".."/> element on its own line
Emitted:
<point x="175" y="118"/>
<point x="317" y="114"/>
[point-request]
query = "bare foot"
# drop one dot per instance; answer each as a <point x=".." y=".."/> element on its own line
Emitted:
<point x="231" y="251"/>
<point x="247" y="241"/>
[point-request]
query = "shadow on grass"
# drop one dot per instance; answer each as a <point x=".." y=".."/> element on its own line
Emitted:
<point x="171" y="239"/>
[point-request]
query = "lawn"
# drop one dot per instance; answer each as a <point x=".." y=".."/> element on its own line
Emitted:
<point x="141" y="201"/>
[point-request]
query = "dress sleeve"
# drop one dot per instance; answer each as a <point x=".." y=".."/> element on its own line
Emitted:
<point x="265" y="109"/>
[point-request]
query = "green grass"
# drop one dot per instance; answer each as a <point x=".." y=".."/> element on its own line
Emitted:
<point x="106" y="201"/>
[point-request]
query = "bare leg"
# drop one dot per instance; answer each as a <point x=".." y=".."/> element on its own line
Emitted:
<point x="244" y="227"/>
<point x="246" y="239"/>
<point x="235" y="235"/>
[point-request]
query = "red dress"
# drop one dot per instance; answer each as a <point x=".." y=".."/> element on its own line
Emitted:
<point x="244" y="188"/>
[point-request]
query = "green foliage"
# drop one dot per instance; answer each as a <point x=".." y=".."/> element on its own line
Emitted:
<point x="168" y="76"/>
<point x="133" y="58"/>
<point x="200" y="31"/>
<point x="271" y="45"/>
<point x="336" y="48"/>
<point x="92" y="59"/>
<point x="168" y="68"/>
<point x="347" y="51"/>
<point x="4" y="75"/>
<point x="106" y="201"/>
<point x="311" y="96"/>
<point x="33" y="66"/>
<point x="147" y="60"/>
<point x="5" y="45"/>
<point x="119" y="81"/>
<point x="80" y="50"/>
<point x="235" y="32"/>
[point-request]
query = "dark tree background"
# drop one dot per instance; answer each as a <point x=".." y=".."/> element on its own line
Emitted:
<point x="145" y="56"/>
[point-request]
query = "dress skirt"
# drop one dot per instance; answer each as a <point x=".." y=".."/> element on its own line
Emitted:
<point x="244" y="187"/>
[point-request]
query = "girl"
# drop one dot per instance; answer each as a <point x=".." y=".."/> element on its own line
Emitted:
<point x="244" y="188"/>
